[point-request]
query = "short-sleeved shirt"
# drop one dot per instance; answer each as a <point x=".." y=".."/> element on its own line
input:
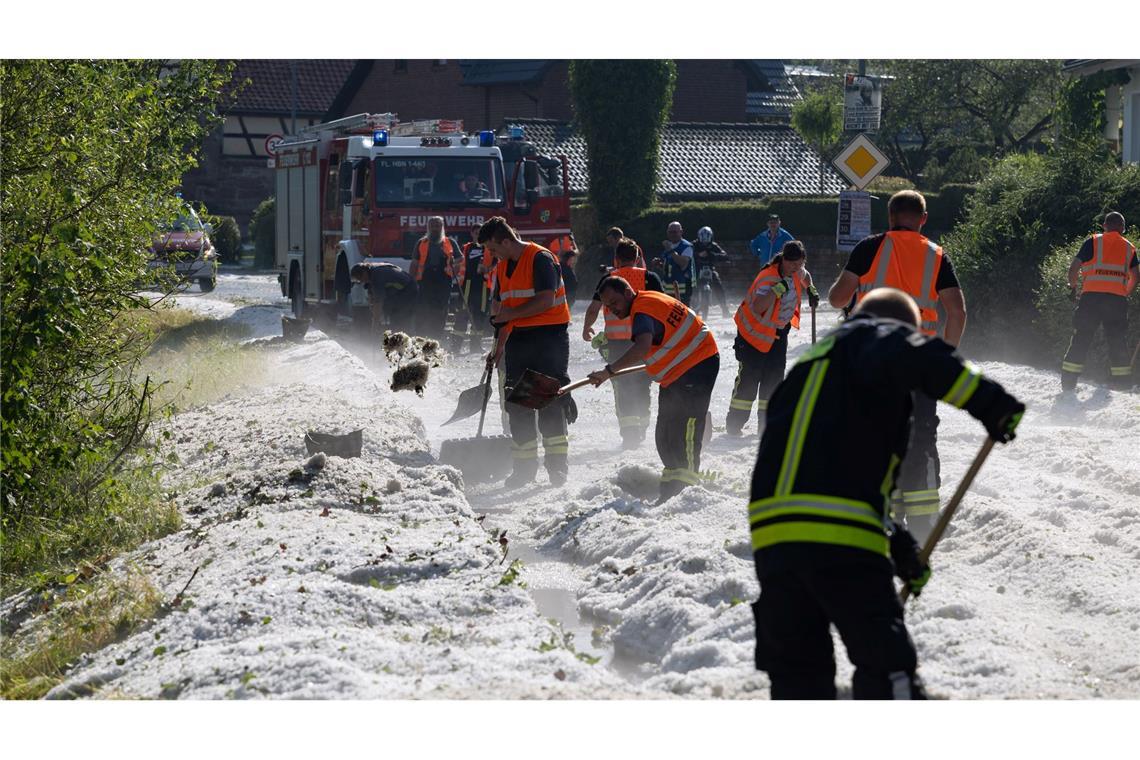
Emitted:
<point x="788" y="301"/>
<point x="652" y="282"/>
<point x="863" y="256"/>
<point x="643" y="323"/>
<point x="1085" y="255"/>
<point x="383" y="280"/>
<point x="674" y="273"/>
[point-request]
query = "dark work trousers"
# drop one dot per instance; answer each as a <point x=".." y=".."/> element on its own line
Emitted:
<point x="631" y="395"/>
<point x="399" y="308"/>
<point x="681" y="410"/>
<point x="478" y="303"/>
<point x="915" y="498"/>
<point x="544" y="349"/>
<point x="757" y="376"/>
<point x="806" y="587"/>
<point x="1094" y="310"/>
<point x="431" y="315"/>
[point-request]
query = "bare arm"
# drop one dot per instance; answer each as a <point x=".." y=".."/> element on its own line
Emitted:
<point x="954" y="303"/>
<point x="591" y="316"/>
<point x="1074" y="273"/>
<point x="843" y="289"/>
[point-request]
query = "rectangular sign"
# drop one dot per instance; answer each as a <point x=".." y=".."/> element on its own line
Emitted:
<point x="854" y="222"/>
<point x="862" y="103"/>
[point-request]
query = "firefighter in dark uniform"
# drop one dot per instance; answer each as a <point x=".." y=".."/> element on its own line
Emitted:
<point x="903" y="258"/>
<point x="1108" y="269"/>
<point x="391" y="291"/>
<point x="631" y="392"/>
<point x="530" y="309"/>
<point x="475" y="284"/>
<point x="837" y="428"/>
<point x="680" y="354"/>
<point x="433" y="268"/>
<point x="769" y="311"/>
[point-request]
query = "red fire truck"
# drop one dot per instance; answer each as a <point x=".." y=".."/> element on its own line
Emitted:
<point x="361" y="189"/>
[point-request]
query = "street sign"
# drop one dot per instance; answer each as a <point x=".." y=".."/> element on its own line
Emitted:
<point x="860" y="162"/>
<point x="271" y="144"/>
<point x="862" y="103"/>
<point x="854" y="222"/>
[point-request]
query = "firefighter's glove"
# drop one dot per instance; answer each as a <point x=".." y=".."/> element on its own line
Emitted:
<point x="598" y="341"/>
<point x="780" y="288"/>
<point x="569" y="409"/>
<point x="1072" y="294"/>
<point x="909" y="566"/>
<point x="813" y="296"/>
<point x="1004" y="418"/>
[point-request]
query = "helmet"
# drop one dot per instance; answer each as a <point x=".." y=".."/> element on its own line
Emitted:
<point x="705" y="234"/>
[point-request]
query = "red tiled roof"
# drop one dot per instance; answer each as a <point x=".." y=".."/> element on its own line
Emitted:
<point x="270" y="87"/>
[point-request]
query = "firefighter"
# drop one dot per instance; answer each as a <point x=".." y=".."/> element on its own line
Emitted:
<point x="631" y="392"/>
<point x="434" y="270"/>
<point x="821" y="550"/>
<point x="614" y="235"/>
<point x="531" y="305"/>
<point x="676" y="259"/>
<point x="681" y="355"/>
<point x="903" y="258"/>
<point x="475" y="284"/>
<point x="391" y="291"/>
<point x="769" y="311"/>
<point x="1108" y="271"/>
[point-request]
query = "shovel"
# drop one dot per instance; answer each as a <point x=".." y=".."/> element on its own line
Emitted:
<point x="478" y="458"/>
<point x="536" y="390"/>
<point x="471" y="400"/>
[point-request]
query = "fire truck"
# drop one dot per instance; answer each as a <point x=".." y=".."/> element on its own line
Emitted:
<point x="361" y="189"/>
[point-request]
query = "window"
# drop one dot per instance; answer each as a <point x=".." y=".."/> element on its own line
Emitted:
<point x="401" y="67"/>
<point x="331" y="183"/>
<point x="432" y="181"/>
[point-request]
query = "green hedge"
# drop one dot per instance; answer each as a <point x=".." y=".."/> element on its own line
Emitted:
<point x="1055" y="310"/>
<point x="226" y="237"/>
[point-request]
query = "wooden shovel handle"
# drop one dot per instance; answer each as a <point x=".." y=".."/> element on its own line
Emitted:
<point x="586" y="381"/>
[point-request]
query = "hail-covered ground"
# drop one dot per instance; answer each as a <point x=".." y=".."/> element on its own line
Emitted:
<point x="386" y="576"/>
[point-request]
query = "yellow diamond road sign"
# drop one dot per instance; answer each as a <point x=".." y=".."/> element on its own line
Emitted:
<point x="860" y="162"/>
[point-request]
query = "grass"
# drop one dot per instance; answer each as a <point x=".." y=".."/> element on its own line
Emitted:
<point x="88" y="617"/>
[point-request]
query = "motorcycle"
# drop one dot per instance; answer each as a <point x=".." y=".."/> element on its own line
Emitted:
<point x="702" y="298"/>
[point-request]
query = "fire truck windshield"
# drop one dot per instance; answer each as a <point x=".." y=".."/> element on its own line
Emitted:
<point x="438" y="181"/>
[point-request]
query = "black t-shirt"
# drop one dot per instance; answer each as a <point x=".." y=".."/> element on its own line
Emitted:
<point x="384" y="280"/>
<point x="863" y="256"/>
<point x="1086" y="254"/>
<point x="652" y="282"/>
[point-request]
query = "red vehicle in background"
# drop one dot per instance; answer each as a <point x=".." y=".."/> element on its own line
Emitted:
<point x="361" y="189"/>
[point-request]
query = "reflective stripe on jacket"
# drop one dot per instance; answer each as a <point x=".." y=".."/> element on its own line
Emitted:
<point x="622" y="329"/>
<point x="686" y="342"/>
<point x="1107" y="270"/>
<point x="760" y="332"/>
<point x="910" y="262"/>
<point x="448" y="254"/>
<point x="517" y="288"/>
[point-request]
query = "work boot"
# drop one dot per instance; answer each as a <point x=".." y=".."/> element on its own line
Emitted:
<point x="632" y="438"/>
<point x="557" y="476"/>
<point x="524" y="472"/>
<point x="669" y="489"/>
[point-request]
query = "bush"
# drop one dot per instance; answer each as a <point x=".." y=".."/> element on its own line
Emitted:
<point x="227" y="238"/>
<point x="263" y="232"/>
<point x="1055" y="310"/>
<point x="1020" y="212"/>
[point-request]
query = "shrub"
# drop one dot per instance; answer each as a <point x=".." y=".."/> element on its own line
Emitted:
<point x="263" y="231"/>
<point x="227" y="238"/>
<point x="1055" y="310"/>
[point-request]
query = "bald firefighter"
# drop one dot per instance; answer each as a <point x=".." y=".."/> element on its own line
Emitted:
<point x="769" y="311"/>
<point x="1108" y="270"/>
<point x="531" y="311"/>
<point x="631" y="392"/>
<point x="680" y="355"/>
<point x="821" y="541"/>
<point x="905" y="259"/>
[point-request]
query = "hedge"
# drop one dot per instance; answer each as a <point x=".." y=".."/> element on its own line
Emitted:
<point x="226" y="237"/>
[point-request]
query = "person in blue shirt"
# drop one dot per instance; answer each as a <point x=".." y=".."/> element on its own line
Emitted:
<point x="676" y="258"/>
<point x="771" y="241"/>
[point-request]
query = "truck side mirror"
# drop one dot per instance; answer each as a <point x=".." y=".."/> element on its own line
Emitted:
<point x="345" y="183"/>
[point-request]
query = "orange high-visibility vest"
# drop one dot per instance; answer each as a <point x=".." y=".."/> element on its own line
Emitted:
<point x="517" y="288"/>
<point x="908" y="261"/>
<point x="1107" y="270"/>
<point x="622" y="329"/>
<point x="561" y="245"/>
<point x="687" y="341"/>
<point x="422" y="254"/>
<point x="760" y="332"/>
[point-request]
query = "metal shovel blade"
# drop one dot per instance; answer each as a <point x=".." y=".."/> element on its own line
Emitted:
<point x="481" y="459"/>
<point x="535" y="390"/>
<point x="470" y="402"/>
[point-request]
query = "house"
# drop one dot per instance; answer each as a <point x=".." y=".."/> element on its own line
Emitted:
<point x="1122" y="103"/>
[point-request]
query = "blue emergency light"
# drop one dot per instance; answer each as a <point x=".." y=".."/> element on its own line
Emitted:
<point x="486" y="139"/>
<point x="380" y="138"/>
<point x="516" y="132"/>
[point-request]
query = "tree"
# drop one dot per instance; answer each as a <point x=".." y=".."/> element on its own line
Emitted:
<point x="620" y="108"/>
<point x="818" y="119"/>
<point x="92" y="153"/>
